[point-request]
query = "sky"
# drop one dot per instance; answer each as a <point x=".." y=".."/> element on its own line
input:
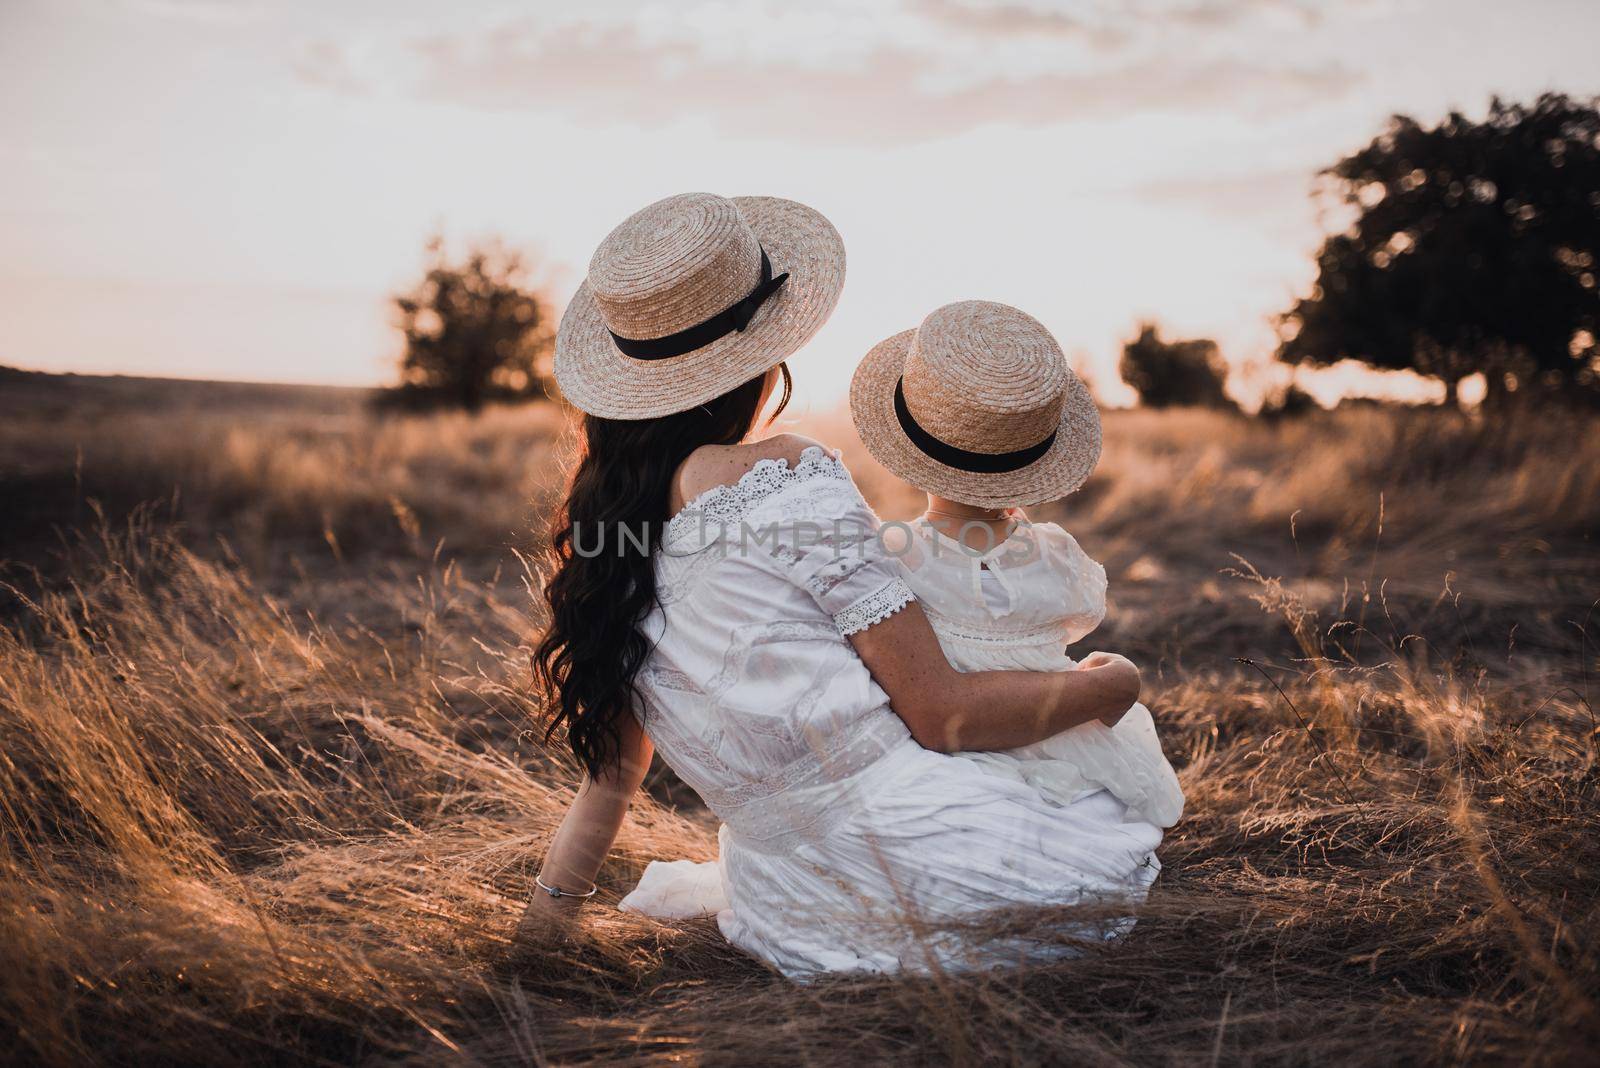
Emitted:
<point x="231" y="188"/>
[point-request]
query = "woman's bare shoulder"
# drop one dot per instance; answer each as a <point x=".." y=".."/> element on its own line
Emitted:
<point x="711" y="466"/>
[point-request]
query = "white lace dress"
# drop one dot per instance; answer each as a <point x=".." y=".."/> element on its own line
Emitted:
<point x="1018" y="606"/>
<point x="845" y="845"/>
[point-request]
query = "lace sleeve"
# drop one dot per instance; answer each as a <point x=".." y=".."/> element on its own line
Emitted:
<point x="874" y="607"/>
<point x="825" y="536"/>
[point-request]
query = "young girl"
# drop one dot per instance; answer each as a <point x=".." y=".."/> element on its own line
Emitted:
<point x="978" y="409"/>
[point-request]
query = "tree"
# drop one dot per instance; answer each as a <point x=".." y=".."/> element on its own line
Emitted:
<point x="1290" y="402"/>
<point x="1170" y="374"/>
<point x="474" y="330"/>
<point x="1473" y="249"/>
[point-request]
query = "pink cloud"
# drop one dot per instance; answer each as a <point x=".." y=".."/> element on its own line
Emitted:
<point x="891" y="94"/>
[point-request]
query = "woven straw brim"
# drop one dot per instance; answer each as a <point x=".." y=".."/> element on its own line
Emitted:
<point x="1053" y="476"/>
<point x="597" y="378"/>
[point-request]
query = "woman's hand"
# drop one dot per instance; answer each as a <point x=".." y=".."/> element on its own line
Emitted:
<point x="545" y="934"/>
<point x="1119" y="669"/>
<point x="547" y="921"/>
<point x="1097" y="659"/>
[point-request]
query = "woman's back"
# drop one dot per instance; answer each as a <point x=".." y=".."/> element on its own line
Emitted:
<point x="751" y="688"/>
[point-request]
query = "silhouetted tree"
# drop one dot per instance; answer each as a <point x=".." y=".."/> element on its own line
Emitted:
<point x="1290" y="402"/>
<point x="474" y="330"/>
<point x="1170" y="374"/>
<point x="1473" y="249"/>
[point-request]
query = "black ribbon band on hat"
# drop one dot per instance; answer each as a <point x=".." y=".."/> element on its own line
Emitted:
<point x="702" y="334"/>
<point x="983" y="463"/>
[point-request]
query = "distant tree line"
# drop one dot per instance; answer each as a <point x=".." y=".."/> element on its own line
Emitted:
<point x="1473" y="249"/>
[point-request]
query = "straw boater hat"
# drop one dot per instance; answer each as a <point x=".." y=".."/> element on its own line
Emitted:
<point x="979" y="406"/>
<point x="693" y="296"/>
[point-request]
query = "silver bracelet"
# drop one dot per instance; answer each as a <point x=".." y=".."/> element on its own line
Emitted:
<point x="555" y="892"/>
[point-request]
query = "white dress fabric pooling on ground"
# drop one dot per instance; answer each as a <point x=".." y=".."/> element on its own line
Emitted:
<point x="1017" y="606"/>
<point x="845" y="846"/>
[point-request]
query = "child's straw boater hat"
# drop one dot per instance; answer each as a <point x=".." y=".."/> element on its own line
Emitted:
<point x="979" y="406"/>
<point x="693" y="296"/>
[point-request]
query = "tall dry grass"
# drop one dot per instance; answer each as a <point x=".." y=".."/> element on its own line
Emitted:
<point x="247" y="820"/>
<point x="325" y="485"/>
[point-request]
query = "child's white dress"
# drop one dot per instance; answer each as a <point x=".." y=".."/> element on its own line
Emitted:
<point x="1017" y="607"/>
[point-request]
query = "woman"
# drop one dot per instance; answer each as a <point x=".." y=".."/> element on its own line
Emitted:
<point x="727" y="600"/>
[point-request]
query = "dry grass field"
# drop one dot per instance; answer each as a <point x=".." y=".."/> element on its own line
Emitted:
<point x="270" y="793"/>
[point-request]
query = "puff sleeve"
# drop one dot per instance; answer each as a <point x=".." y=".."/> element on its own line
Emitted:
<point x="1084" y="576"/>
<point x="825" y="538"/>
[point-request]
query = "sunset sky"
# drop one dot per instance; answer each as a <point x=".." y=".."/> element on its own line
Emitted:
<point x="220" y="189"/>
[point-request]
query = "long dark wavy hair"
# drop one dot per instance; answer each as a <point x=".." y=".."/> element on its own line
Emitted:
<point x="592" y="648"/>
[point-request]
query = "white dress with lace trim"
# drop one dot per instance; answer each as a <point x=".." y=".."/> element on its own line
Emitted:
<point x="842" y="840"/>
